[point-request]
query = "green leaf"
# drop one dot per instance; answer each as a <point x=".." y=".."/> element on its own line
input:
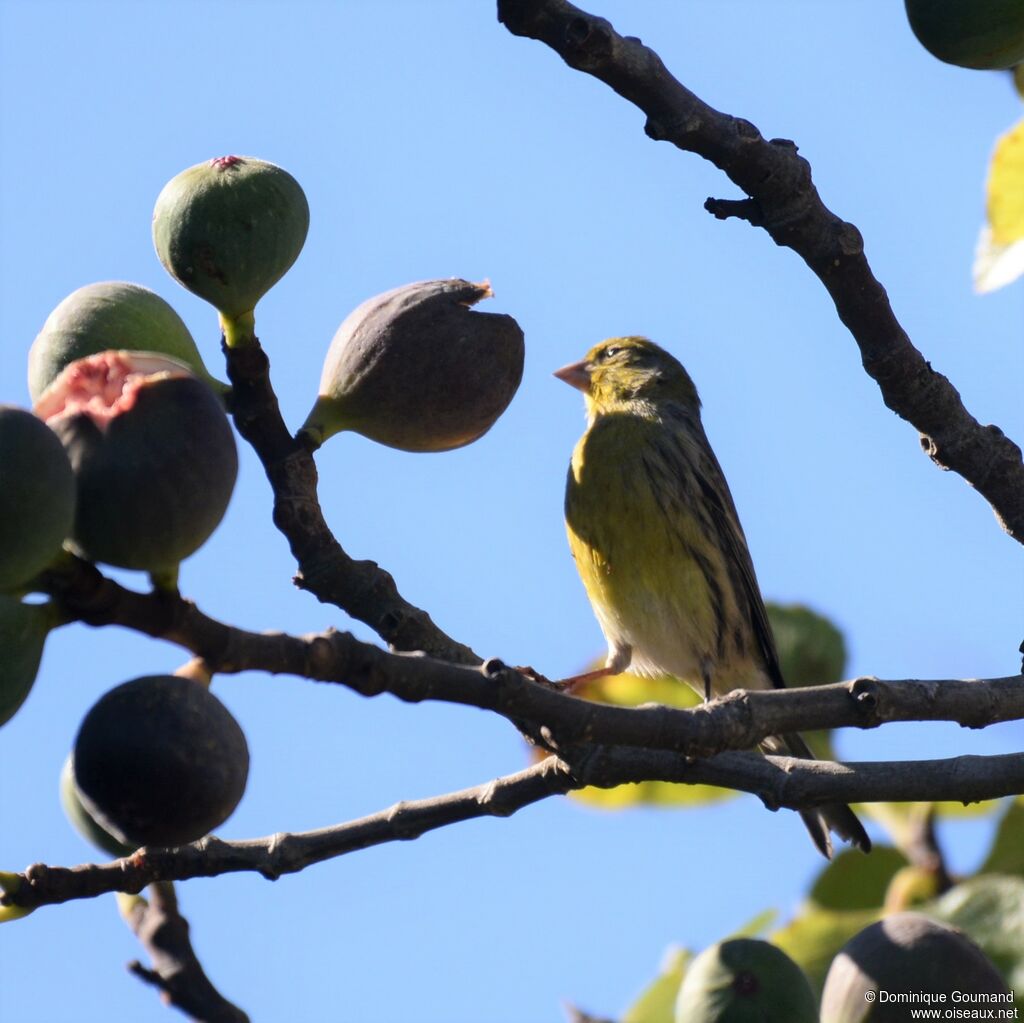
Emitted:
<point x="855" y="881"/>
<point x="999" y="258"/>
<point x="812" y="650"/>
<point x="657" y="1002"/>
<point x="628" y="690"/>
<point x="1007" y="853"/>
<point x="990" y="909"/>
<point x="816" y="935"/>
<point x="756" y="926"/>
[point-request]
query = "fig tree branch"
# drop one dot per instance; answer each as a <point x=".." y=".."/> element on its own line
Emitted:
<point x="784" y="201"/>
<point x="176" y="972"/>
<point x="360" y="588"/>
<point x="777" y="781"/>
<point x="738" y="720"/>
<point x="287" y="853"/>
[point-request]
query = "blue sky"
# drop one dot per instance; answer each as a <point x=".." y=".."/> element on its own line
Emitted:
<point x="431" y="143"/>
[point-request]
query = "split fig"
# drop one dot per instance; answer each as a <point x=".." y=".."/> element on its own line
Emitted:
<point x="415" y="368"/>
<point x="228" y="230"/>
<point x="23" y="632"/>
<point x="160" y="761"/>
<point x="980" y="34"/>
<point x="110" y="315"/>
<point x="37" y="496"/>
<point x="745" y="980"/>
<point x="904" y="954"/>
<point x="153" y="456"/>
<point x="86" y="825"/>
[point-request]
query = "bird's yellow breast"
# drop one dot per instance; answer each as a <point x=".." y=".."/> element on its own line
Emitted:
<point x="640" y="548"/>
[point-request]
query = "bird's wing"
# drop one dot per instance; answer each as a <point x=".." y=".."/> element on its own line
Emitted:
<point x="726" y="523"/>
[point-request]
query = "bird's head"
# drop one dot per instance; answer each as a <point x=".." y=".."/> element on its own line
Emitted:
<point x="626" y="369"/>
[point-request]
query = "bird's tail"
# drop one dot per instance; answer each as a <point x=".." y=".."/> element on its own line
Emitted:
<point x="822" y="819"/>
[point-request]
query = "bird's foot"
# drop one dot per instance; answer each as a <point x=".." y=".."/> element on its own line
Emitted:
<point x="576" y="682"/>
<point x="533" y="675"/>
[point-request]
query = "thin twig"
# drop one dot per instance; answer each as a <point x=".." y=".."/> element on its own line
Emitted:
<point x="921" y="846"/>
<point x="360" y="588"/>
<point x="176" y="972"/>
<point x="784" y="201"/>
<point x="777" y="781"/>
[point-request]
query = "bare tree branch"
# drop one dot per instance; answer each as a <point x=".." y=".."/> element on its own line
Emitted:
<point x="287" y="853"/>
<point x="777" y="781"/>
<point x="784" y="201"/>
<point x="360" y="588"/>
<point x="738" y="720"/>
<point x="176" y="972"/>
<point x="921" y="846"/>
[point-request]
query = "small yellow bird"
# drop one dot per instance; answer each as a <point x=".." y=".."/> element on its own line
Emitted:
<point x="659" y="547"/>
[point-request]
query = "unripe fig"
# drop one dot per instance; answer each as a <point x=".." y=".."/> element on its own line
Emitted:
<point x="908" y="954"/>
<point x="37" y="496"/>
<point x="415" y="368"/>
<point x="744" y="980"/>
<point x="23" y="632"/>
<point x="105" y="316"/>
<point x="160" y="761"/>
<point x="87" y="826"/>
<point x="153" y="456"/>
<point x="981" y="34"/>
<point x="228" y="230"/>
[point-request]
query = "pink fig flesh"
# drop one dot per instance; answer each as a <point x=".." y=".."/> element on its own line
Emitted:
<point x="153" y="456"/>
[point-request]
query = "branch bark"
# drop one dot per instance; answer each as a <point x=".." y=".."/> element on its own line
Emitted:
<point x="777" y="781"/>
<point x="360" y="588"/>
<point x="738" y="720"/>
<point x="784" y="201"/>
<point x="176" y="973"/>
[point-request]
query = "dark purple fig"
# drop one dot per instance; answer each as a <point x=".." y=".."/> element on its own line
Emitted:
<point x="105" y="316"/>
<point x="87" y="826"/>
<point x="23" y="632"/>
<point x="228" y="230"/>
<point x="37" y="496"/>
<point x="909" y="954"/>
<point x="153" y="456"/>
<point x="417" y="369"/>
<point x="160" y="761"/>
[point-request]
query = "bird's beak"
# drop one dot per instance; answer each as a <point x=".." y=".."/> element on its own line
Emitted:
<point x="576" y="374"/>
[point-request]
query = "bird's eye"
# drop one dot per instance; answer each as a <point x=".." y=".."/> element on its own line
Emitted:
<point x="611" y="352"/>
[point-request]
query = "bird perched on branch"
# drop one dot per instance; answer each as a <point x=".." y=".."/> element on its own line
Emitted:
<point x="659" y="547"/>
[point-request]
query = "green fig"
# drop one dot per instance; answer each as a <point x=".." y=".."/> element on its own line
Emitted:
<point x="153" y="456"/>
<point x="87" y="826"/>
<point x="906" y="960"/>
<point x="745" y="980"/>
<point x="228" y="230"/>
<point x="983" y="34"/>
<point x="160" y="761"/>
<point x="37" y="496"/>
<point x="110" y="315"/>
<point x="23" y="632"/>
<point x="415" y="368"/>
